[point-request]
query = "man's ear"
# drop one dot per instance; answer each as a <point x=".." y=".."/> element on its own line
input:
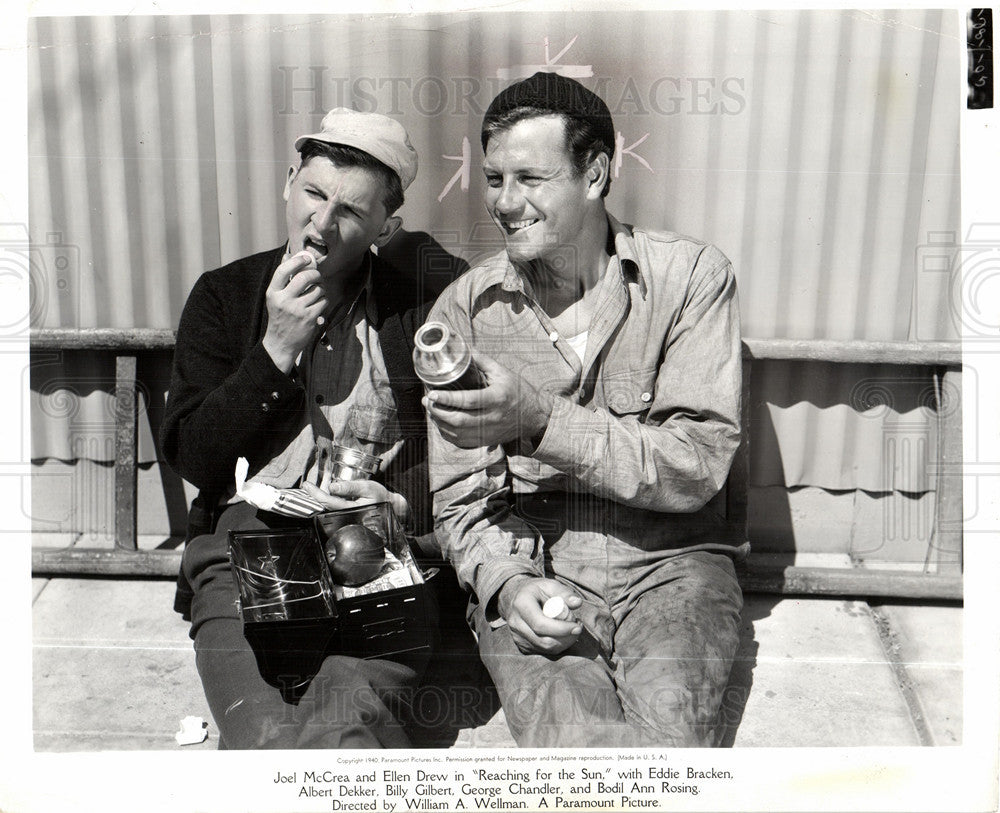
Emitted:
<point x="597" y="175"/>
<point x="292" y="171"/>
<point x="389" y="228"/>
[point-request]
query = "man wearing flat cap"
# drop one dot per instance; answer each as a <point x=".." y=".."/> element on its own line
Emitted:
<point x="279" y="356"/>
<point x="572" y="492"/>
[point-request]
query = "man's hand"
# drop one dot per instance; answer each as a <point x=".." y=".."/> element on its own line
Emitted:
<point x="531" y="629"/>
<point x="355" y="493"/>
<point x="295" y="303"/>
<point x="506" y="409"/>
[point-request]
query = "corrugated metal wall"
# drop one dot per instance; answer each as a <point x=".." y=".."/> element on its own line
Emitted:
<point x="818" y="149"/>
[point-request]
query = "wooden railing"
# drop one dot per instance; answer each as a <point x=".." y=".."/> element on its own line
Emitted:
<point x="125" y="559"/>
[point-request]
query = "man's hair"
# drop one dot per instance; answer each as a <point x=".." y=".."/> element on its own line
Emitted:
<point x="341" y="155"/>
<point x="586" y="118"/>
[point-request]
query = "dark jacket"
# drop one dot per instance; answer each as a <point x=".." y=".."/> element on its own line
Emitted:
<point x="227" y="398"/>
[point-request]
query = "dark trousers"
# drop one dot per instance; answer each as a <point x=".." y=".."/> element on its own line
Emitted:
<point x="349" y="703"/>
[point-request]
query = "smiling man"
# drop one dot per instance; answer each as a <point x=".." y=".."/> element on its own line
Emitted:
<point x="279" y="356"/>
<point x="572" y="492"/>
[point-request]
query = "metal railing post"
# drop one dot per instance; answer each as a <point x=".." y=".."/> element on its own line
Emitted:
<point x="126" y="441"/>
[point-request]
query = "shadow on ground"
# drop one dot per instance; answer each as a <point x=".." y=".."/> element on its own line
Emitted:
<point x="734" y="700"/>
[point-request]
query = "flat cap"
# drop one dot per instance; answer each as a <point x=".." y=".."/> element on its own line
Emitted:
<point x="381" y="137"/>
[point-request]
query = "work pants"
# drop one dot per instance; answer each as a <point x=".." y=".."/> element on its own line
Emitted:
<point x="651" y="669"/>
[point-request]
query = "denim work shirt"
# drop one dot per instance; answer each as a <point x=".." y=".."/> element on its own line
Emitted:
<point x="642" y="433"/>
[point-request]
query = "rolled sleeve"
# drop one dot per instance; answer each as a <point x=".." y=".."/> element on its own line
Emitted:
<point x="475" y="525"/>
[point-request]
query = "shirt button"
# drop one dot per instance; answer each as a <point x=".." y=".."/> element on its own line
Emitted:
<point x="265" y="407"/>
<point x="275" y="396"/>
<point x="553" y="337"/>
<point x="319" y="399"/>
<point x="646" y="397"/>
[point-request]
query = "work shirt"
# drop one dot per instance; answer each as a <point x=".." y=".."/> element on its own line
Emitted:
<point x="643" y="430"/>
<point x="348" y="399"/>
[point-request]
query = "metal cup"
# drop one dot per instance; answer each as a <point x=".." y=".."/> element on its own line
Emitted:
<point x="352" y="464"/>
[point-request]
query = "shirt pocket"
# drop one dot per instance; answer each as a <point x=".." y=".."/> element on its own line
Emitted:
<point x="630" y="393"/>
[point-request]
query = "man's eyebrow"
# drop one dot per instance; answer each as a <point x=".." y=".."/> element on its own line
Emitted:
<point x="351" y="205"/>
<point x="530" y="169"/>
<point x="356" y="205"/>
<point x="343" y="201"/>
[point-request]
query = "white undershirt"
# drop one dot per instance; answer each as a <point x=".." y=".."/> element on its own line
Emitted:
<point x="579" y="344"/>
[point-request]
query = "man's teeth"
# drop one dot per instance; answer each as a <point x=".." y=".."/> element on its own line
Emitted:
<point x="514" y="225"/>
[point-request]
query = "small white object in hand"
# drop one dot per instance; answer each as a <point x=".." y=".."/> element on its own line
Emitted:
<point x="193" y="730"/>
<point x="554" y="607"/>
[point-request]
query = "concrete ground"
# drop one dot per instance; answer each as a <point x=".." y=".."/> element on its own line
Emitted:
<point x="114" y="670"/>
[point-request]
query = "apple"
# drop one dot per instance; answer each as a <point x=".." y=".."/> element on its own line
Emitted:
<point x="355" y="555"/>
